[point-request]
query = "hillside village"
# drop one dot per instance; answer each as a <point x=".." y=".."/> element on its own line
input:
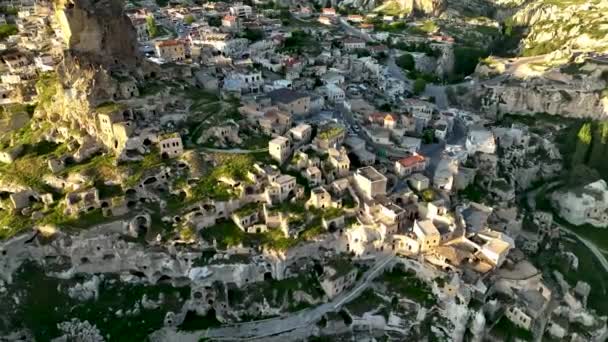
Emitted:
<point x="226" y="171"/>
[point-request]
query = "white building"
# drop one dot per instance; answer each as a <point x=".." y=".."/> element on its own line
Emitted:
<point x="480" y="140"/>
<point x="301" y="132"/>
<point x="427" y="234"/>
<point x="370" y="182"/>
<point x="279" y="149"/>
<point x="351" y="44"/>
<point x="407" y="166"/>
<point x="241" y="11"/>
<point x="333" y="93"/>
<point x="584" y="205"/>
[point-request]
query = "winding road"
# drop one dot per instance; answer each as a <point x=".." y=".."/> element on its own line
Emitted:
<point x="297" y="323"/>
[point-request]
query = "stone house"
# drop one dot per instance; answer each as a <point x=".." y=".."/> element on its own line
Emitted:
<point x="427" y="235"/>
<point x="170" y="145"/>
<point x="293" y="102"/>
<point x="519" y="317"/>
<point x="231" y="22"/>
<point x="275" y="122"/>
<point x="405" y="245"/>
<point x="279" y="149"/>
<point x="320" y="198"/>
<point x="128" y="89"/>
<point x="413" y="164"/>
<point x="586" y="204"/>
<point x="389" y="216"/>
<point x="170" y="50"/>
<point x="333" y="93"/>
<point x="250" y="81"/>
<point x="480" y="139"/>
<point x="301" y="133"/>
<point x="338" y="275"/>
<point x="82" y="201"/>
<point x="330" y="136"/>
<point x="282" y="187"/>
<point x="419" y="181"/>
<point x="141" y="28"/>
<point x="370" y="182"/>
<point x="443" y="178"/>
<point x="339" y="161"/>
<point x="313" y="175"/>
<point x="351" y="44"/>
<point x="225" y="133"/>
<point x="247" y="216"/>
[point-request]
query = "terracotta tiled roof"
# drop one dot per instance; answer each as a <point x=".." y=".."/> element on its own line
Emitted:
<point x="412" y="160"/>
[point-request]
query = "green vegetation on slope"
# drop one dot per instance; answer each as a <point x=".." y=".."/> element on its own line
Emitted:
<point x="7" y="30"/>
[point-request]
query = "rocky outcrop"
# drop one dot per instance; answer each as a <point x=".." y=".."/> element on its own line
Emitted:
<point x="503" y="99"/>
<point x="407" y="7"/>
<point x="432" y="7"/>
<point x="576" y="25"/>
<point x="575" y="90"/>
<point x="101" y="42"/>
<point x="98" y="31"/>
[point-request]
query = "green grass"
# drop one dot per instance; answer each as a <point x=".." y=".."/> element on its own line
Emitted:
<point x="231" y="166"/>
<point x="12" y="224"/>
<point x="109" y="107"/>
<point x="406" y="284"/>
<point x="367" y="301"/>
<point x="509" y="331"/>
<point x="7" y="30"/>
<point x="225" y="233"/>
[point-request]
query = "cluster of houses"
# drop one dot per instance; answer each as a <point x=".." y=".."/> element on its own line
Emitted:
<point x="28" y="52"/>
<point x="327" y="174"/>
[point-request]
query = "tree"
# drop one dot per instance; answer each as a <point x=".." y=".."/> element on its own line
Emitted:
<point x="152" y="28"/>
<point x="253" y="34"/>
<point x="428" y="136"/>
<point x="385" y="107"/>
<point x="419" y="86"/>
<point x="215" y="21"/>
<point x="466" y="59"/>
<point x="583" y="142"/>
<point x="406" y="61"/>
<point x="599" y="148"/>
<point x="189" y="19"/>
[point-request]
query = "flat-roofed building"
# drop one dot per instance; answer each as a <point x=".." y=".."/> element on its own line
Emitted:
<point x="279" y="149"/>
<point x="427" y="234"/>
<point x="370" y="182"/>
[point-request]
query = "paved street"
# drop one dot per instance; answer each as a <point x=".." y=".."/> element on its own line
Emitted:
<point x="300" y="320"/>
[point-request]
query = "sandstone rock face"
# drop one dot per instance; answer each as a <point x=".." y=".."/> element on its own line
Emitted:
<point x="575" y="90"/>
<point x="569" y="103"/>
<point x="433" y="7"/>
<point x="577" y="25"/>
<point x="100" y="31"/>
<point x="430" y="7"/>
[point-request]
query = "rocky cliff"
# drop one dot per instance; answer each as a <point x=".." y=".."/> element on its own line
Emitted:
<point x="557" y="25"/>
<point x="393" y="7"/>
<point x="545" y="99"/>
<point x="100" y="42"/>
<point x="98" y="31"/>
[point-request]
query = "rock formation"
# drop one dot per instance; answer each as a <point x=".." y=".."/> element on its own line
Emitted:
<point x="553" y="26"/>
<point x="99" y="32"/>
<point x="575" y="90"/>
